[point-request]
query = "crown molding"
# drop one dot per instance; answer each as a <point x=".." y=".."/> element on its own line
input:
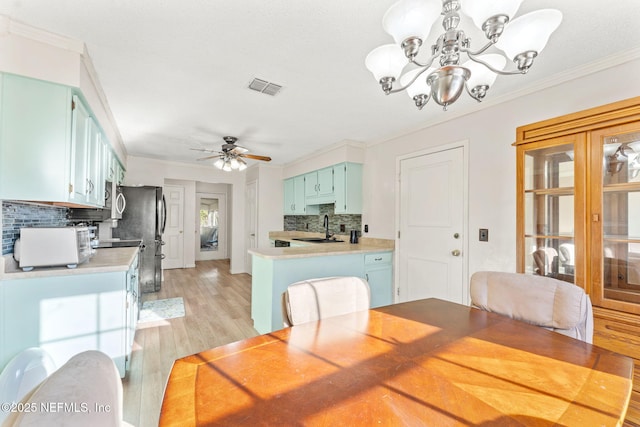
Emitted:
<point x="10" y="26"/>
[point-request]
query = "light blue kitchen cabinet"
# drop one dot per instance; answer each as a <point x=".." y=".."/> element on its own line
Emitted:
<point x="120" y="172"/>
<point x="50" y="145"/>
<point x="272" y="276"/>
<point x="80" y="122"/>
<point x="347" y="183"/>
<point x="109" y="161"/>
<point x="35" y="140"/>
<point x="96" y="166"/>
<point x="66" y="315"/>
<point x="318" y="187"/>
<point x="294" y="197"/>
<point x="378" y="271"/>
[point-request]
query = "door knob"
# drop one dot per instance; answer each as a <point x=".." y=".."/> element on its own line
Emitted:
<point x="455" y="252"/>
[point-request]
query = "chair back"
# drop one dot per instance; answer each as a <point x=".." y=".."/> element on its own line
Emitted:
<point x="315" y="299"/>
<point x="542" y="301"/>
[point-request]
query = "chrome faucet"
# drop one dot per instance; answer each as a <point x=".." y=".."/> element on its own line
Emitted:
<point x="326" y="227"/>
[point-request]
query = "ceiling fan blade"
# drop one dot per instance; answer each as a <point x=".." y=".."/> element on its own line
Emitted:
<point x="204" y="150"/>
<point x="209" y="157"/>
<point x="256" y="157"/>
<point x="239" y="150"/>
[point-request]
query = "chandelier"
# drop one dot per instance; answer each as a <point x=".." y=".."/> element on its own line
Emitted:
<point x="410" y="21"/>
<point x="229" y="161"/>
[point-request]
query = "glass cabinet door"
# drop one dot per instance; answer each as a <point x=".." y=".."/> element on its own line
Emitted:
<point x="615" y="218"/>
<point x="547" y="231"/>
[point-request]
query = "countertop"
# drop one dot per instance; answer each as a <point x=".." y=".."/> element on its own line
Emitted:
<point x="103" y="261"/>
<point x="364" y="245"/>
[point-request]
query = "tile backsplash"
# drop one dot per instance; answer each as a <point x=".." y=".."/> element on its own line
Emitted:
<point x="18" y="214"/>
<point x="313" y="223"/>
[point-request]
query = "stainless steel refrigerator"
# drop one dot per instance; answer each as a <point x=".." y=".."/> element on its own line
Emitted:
<point x="144" y="218"/>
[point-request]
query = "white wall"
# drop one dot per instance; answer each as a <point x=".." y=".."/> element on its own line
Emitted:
<point x="492" y="173"/>
<point x="145" y="171"/>
<point x="270" y="200"/>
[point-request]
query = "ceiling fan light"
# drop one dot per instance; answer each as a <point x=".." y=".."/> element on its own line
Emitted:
<point x="227" y="166"/>
<point x="411" y="18"/>
<point x="234" y="163"/>
<point x="529" y="33"/>
<point x="242" y="165"/>
<point x="219" y="163"/>
<point x="386" y="61"/>
<point x="481" y="75"/>
<point x="480" y="11"/>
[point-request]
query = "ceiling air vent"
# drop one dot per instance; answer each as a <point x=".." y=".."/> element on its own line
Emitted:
<point x="265" y="87"/>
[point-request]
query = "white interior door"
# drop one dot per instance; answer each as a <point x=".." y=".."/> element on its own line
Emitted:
<point x="173" y="236"/>
<point x="432" y="237"/>
<point x="251" y="204"/>
<point x="211" y="218"/>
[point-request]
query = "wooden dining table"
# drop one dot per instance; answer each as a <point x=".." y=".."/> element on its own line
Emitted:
<point x="428" y="362"/>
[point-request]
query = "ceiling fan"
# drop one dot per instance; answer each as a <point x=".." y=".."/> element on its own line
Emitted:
<point x="231" y="156"/>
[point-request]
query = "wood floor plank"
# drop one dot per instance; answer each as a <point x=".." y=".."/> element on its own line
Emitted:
<point x="217" y="312"/>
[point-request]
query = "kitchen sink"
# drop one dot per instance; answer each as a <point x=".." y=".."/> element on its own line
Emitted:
<point x="318" y="240"/>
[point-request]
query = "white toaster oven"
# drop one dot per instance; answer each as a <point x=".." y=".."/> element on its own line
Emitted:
<point x="52" y="246"/>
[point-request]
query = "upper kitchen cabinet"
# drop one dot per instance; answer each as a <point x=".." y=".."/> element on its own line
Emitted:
<point x="294" y="197"/>
<point x="50" y="144"/>
<point x="318" y="187"/>
<point x="35" y="140"/>
<point x="347" y="188"/>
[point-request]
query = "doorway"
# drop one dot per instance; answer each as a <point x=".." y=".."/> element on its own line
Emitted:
<point x="432" y="216"/>
<point x="211" y="219"/>
<point x="174" y="229"/>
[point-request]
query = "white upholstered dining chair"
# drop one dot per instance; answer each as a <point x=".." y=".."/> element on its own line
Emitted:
<point x="315" y="299"/>
<point x="542" y="301"/>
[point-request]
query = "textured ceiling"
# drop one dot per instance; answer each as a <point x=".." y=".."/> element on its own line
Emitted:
<point x="176" y="73"/>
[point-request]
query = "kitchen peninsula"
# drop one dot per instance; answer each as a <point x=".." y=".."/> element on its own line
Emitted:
<point x="275" y="268"/>
<point x="69" y="310"/>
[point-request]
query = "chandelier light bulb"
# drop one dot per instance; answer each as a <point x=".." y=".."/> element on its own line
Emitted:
<point x="481" y="11"/>
<point x="529" y="33"/>
<point x="386" y="61"/>
<point x="408" y="19"/>
<point x="420" y="86"/>
<point x="481" y="75"/>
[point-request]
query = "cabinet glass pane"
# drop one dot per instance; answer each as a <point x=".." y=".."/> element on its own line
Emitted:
<point x="621" y="252"/>
<point x="549" y="168"/>
<point x="621" y="217"/>
<point x="621" y="159"/>
<point x="549" y="215"/>
<point x="550" y="257"/>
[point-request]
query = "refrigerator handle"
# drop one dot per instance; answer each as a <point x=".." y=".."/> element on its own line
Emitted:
<point x="164" y="215"/>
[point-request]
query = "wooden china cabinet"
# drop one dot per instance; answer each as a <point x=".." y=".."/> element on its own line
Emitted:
<point x="578" y="216"/>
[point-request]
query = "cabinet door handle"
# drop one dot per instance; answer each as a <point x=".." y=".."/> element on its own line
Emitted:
<point x="367" y="276"/>
<point x="378" y="259"/>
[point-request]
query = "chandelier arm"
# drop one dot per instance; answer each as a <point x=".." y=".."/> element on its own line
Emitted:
<point x="400" y="89"/>
<point x="495" y="70"/>
<point x="478" y="52"/>
<point x="428" y="63"/>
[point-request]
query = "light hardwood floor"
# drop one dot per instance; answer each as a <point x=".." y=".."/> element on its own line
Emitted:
<point x="217" y="312"/>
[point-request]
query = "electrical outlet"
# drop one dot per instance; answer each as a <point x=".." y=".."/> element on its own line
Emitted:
<point x="342" y="228"/>
<point x="366" y="228"/>
<point x="483" y="235"/>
